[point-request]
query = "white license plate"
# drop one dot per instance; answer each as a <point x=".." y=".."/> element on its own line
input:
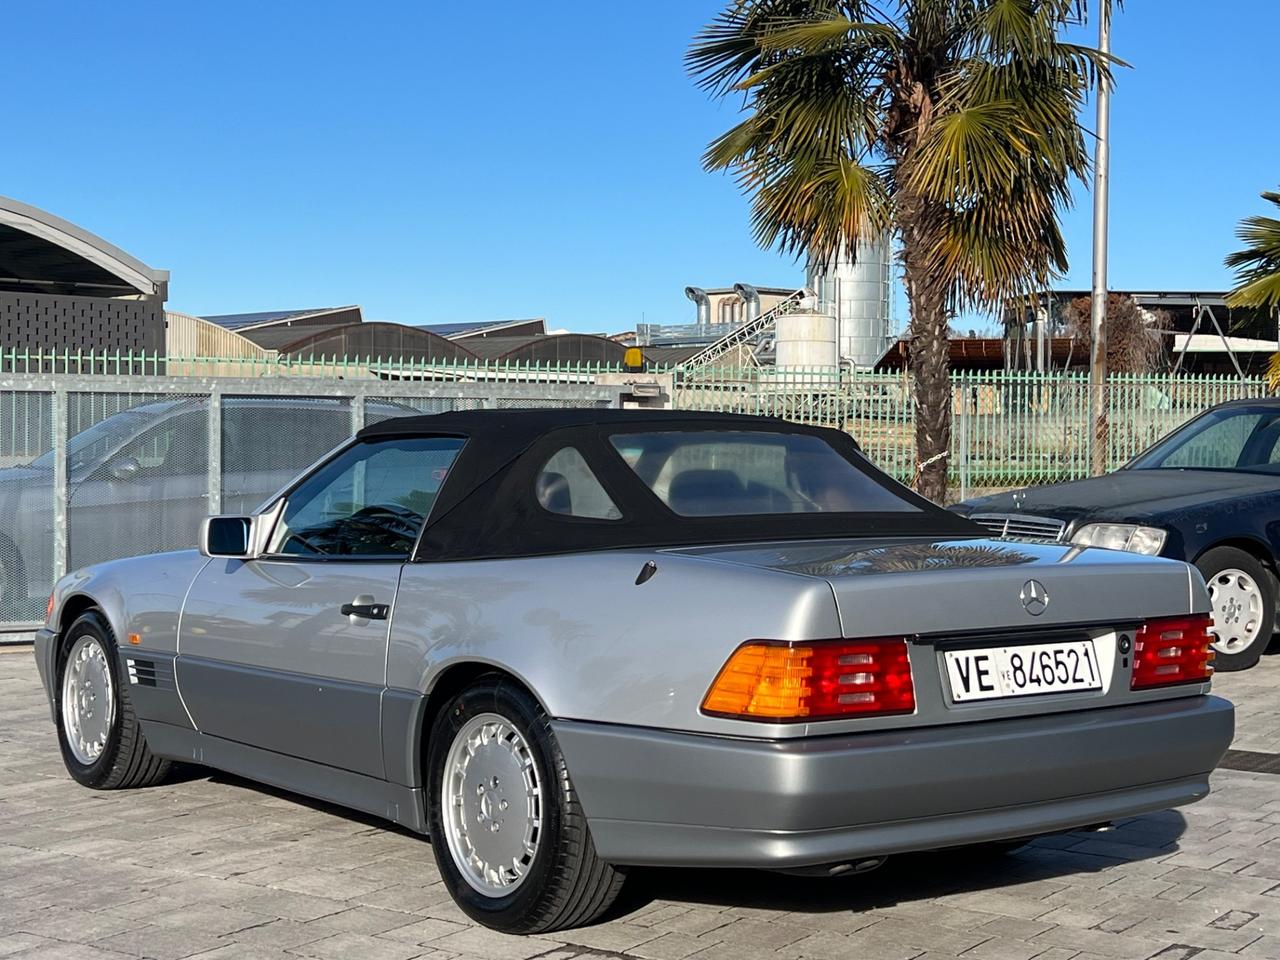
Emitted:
<point x="993" y="672"/>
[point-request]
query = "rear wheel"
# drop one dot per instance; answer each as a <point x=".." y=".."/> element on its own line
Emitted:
<point x="101" y="740"/>
<point x="506" y="828"/>
<point x="1244" y="606"/>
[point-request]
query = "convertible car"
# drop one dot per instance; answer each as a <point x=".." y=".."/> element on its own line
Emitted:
<point x="564" y="643"/>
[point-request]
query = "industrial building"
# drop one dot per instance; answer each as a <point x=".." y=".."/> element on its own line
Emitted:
<point x="841" y="318"/>
<point x="64" y="288"/>
<point x="1199" y="332"/>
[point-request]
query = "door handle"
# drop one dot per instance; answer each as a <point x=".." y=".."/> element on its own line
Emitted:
<point x="366" y="611"/>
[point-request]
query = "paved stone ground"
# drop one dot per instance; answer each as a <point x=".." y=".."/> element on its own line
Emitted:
<point x="215" y="867"/>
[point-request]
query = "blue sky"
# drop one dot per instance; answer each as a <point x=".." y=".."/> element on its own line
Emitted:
<point x="439" y="162"/>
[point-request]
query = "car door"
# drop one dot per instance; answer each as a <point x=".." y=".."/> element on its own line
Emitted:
<point x="287" y="651"/>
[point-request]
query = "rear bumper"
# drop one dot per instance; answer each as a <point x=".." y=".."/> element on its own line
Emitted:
<point x="656" y="798"/>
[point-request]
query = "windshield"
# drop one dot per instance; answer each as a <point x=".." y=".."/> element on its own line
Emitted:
<point x="1231" y="438"/>
<point x="731" y="473"/>
<point x="88" y="447"/>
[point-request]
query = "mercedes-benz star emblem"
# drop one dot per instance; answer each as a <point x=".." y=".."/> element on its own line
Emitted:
<point x="1034" y="597"/>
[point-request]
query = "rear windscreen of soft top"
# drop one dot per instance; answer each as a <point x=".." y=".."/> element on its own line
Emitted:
<point x="738" y="473"/>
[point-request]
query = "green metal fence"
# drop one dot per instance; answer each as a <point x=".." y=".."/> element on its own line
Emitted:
<point x="1009" y="428"/>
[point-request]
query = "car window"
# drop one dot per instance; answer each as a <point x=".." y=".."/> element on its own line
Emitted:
<point x="725" y="473"/>
<point x="370" y="501"/>
<point x="88" y="446"/>
<point x="177" y="445"/>
<point x="566" y="485"/>
<point x="1219" y="440"/>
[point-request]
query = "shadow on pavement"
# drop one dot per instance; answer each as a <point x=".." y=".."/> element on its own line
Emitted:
<point x="903" y="879"/>
<point x="911" y="877"/>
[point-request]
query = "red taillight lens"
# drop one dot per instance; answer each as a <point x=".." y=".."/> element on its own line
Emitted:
<point x="1173" y="650"/>
<point x="823" y="680"/>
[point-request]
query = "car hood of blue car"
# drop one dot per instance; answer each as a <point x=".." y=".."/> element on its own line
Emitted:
<point x="11" y="475"/>
<point x="1128" y="494"/>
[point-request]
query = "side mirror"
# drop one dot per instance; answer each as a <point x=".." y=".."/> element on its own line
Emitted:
<point x="230" y="537"/>
<point x="124" y="468"/>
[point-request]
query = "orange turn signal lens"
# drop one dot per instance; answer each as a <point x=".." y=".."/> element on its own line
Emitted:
<point x="763" y="680"/>
<point x="825" y="679"/>
<point x="48" y="609"/>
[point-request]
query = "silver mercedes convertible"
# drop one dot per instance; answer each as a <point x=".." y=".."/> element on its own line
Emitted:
<point x="562" y="643"/>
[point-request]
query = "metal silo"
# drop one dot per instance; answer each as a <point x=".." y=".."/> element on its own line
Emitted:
<point x="807" y="340"/>
<point x="857" y="293"/>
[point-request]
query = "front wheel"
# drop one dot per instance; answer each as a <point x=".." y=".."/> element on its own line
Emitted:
<point x="1244" y="606"/>
<point x="101" y="740"/>
<point x="508" y="833"/>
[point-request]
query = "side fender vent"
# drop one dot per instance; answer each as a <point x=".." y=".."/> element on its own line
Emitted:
<point x="150" y="673"/>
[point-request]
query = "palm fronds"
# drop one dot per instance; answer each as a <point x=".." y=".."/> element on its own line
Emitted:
<point x="953" y="122"/>
<point x="1257" y="266"/>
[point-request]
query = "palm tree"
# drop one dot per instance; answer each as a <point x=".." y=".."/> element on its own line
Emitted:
<point x="1257" y="270"/>
<point x="952" y="122"/>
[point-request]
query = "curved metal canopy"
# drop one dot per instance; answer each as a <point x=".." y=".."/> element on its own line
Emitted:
<point x="41" y="252"/>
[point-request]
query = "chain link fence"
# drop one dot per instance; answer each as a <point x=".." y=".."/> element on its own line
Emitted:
<point x="94" y="468"/>
<point x="97" y="463"/>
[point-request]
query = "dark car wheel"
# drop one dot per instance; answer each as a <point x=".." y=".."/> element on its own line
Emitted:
<point x="1244" y="606"/>
<point x="506" y="828"/>
<point x="102" y="743"/>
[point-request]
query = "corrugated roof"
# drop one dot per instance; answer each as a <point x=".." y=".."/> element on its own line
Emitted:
<point x="490" y="348"/>
<point x="238" y="321"/>
<point x="275" y="337"/>
<point x="670" y="355"/>
<point x="469" y="329"/>
<point x="1212" y="343"/>
<point x="975" y="353"/>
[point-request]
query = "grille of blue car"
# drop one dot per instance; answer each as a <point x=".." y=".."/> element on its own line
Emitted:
<point x="1021" y="527"/>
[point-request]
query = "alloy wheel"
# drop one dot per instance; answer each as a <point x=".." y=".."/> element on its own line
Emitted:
<point x="88" y="699"/>
<point x="492" y="804"/>
<point x="1237" y="610"/>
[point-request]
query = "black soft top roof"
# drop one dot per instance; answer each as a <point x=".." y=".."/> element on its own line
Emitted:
<point x="487" y="507"/>
<point x="528" y="424"/>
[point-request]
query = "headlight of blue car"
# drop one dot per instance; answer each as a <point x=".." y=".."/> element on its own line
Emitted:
<point x="1121" y="536"/>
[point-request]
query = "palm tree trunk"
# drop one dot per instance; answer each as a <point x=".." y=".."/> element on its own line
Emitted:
<point x="930" y="367"/>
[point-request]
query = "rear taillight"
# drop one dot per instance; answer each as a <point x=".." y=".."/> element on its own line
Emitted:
<point x="1173" y="650"/>
<point x="766" y="680"/>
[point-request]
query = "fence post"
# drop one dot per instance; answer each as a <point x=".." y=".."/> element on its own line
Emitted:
<point x="215" y="451"/>
<point x="60" y="414"/>
<point x="964" y="438"/>
<point x="358" y="411"/>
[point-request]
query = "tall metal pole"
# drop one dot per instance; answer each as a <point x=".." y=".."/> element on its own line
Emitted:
<point x="1098" y="313"/>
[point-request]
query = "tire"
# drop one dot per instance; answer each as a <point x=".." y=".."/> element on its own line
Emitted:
<point x="109" y="752"/>
<point x="1244" y="606"/>
<point x="562" y="883"/>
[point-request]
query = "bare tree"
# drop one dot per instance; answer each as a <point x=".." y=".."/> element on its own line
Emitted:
<point x="1133" y="335"/>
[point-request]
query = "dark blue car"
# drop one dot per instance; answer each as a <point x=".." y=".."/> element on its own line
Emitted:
<point x="1208" y="493"/>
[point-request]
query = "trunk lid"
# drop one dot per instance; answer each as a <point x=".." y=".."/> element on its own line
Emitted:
<point x="957" y="599"/>
<point x="938" y="588"/>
